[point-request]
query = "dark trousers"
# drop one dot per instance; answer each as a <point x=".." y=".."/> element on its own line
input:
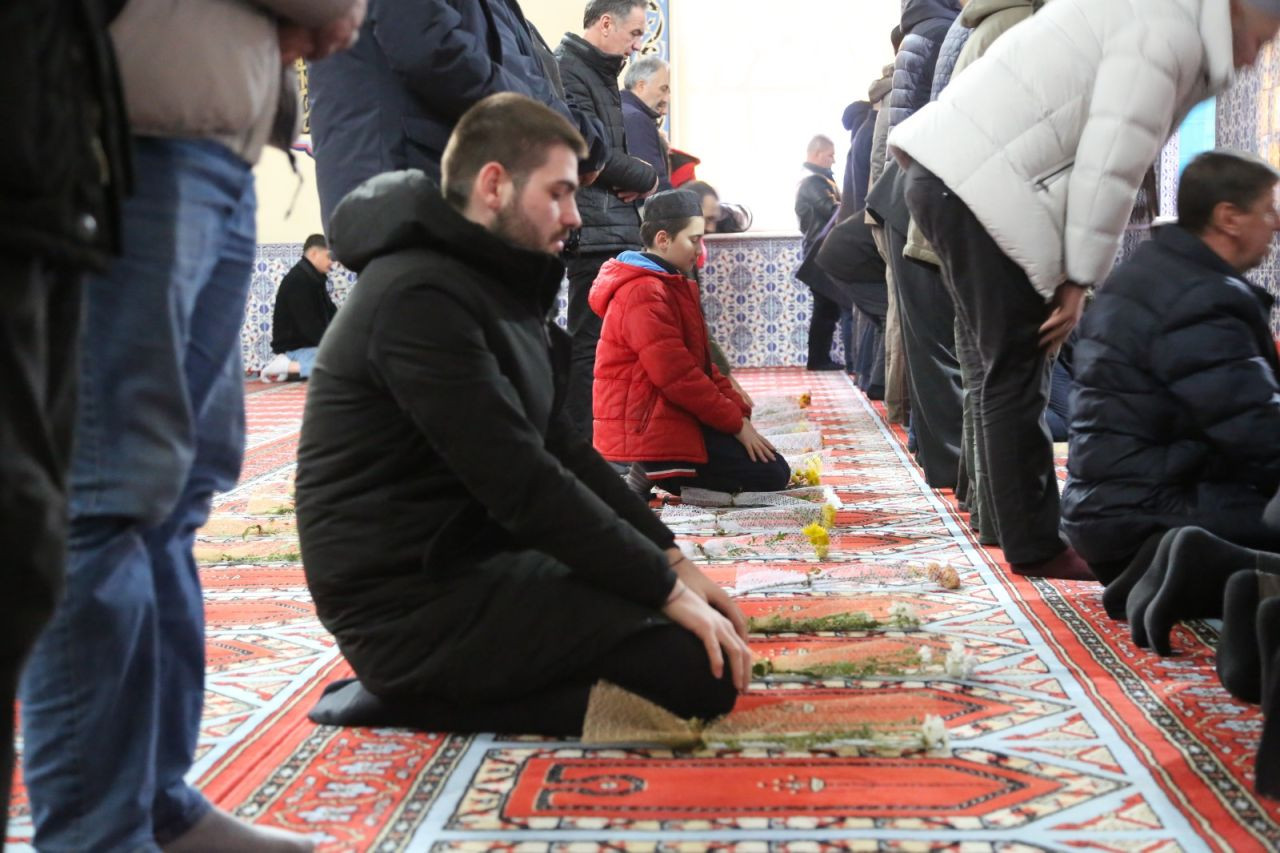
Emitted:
<point x="665" y="664"/>
<point x="929" y="343"/>
<point x="871" y="301"/>
<point x="849" y="338"/>
<point x="584" y="327"/>
<point x="729" y="469"/>
<point x="822" y="329"/>
<point x="996" y="300"/>
<point x="39" y="322"/>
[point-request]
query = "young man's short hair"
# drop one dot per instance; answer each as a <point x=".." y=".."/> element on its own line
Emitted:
<point x="506" y="128"/>
<point x="315" y="241"/>
<point x="649" y="230"/>
<point x="616" y="9"/>
<point x="1214" y="177"/>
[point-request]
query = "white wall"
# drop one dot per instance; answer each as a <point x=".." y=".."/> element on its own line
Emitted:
<point x="754" y="80"/>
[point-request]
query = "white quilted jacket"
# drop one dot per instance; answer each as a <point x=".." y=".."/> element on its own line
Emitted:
<point x="1047" y="137"/>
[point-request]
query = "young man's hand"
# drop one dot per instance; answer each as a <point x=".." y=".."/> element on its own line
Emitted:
<point x="687" y="609"/>
<point x="758" y="447"/>
<point x="708" y="590"/>
<point x="1068" y="305"/>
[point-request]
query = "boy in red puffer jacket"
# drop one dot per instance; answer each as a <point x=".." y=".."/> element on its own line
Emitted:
<point x="659" y="402"/>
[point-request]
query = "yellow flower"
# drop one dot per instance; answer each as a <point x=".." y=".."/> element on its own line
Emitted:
<point x="819" y="538"/>
<point x="806" y="399"/>
<point x="809" y="474"/>
<point x="828" y="516"/>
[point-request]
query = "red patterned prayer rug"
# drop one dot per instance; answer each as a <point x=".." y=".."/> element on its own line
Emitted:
<point x="1062" y="737"/>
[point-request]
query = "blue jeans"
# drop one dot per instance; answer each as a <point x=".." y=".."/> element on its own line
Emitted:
<point x="306" y="358"/>
<point x="113" y="693"/>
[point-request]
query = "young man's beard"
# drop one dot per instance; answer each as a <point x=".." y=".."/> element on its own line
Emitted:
<point x="516" y="228"/>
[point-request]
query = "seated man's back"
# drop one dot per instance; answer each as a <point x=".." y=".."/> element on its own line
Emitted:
<point x="1175" y="413"/>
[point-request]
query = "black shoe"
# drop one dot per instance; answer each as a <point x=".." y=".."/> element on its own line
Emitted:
<point x="1267" y="766"/>
<point x="823" y="365"/>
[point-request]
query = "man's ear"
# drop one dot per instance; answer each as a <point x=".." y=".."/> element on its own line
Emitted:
<point x="490" y="185"/>
<point x="1226" y="218"/>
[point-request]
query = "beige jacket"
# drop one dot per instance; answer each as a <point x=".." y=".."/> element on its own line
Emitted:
<point x="209" y="69"/>
<point x="989" y="19"/>
<point x="1047" y="137"/>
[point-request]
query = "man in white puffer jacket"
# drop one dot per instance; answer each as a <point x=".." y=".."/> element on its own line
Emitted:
<point x="1023" y="175"/>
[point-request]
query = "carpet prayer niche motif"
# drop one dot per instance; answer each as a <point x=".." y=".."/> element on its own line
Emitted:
<point x="1060" y="734"/>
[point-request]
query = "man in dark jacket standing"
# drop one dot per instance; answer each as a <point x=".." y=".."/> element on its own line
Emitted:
<point x="302" y="312"/>
<point x="925" y="313"/>
<point x="610" y="207"/>
<point x="646" y="97"/>
<point x="1175" y="413"/>
<point x="480" y="565"/>
<point x="390" y="102"/>
<point x="817" y="198"/>
<point x="924" y="27"/>
<point x="59" y="217"/>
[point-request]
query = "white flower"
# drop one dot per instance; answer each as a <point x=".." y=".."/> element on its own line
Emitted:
<point x="903" y="615"/>
<point x="933" y="733"/>
<point x="926" y="655"/>
<point x="959" y="664"/>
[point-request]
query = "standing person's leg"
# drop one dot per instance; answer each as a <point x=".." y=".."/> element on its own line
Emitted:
<point x="89" y="762"/>
<point x="981" y="516"/>
<point x="896" y="396"/>
<point x="215" y="392"/>
<point x="928" y="326"/>
<point x="822" y="330"/>
<point x="39" y="321"/>
<point x="584" y="326"/>
<point x="1006" y="313"/>
<point x="848" y="337"/>
<point x="91" y="765"/>
<point x="729" y="469"/>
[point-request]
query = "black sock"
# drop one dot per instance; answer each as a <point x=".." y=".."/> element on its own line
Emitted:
<point x="1267" y="766"/>
<point x="1143" y="587"/>
<point x="1239" y="660"/>
<point x="1155" y="548"/>
<point x="1194" y="582"/>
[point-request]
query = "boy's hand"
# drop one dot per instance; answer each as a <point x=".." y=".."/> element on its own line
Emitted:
<point x="758" y="447"/>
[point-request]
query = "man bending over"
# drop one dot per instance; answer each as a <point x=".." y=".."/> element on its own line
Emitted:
<point x="480" y="565"/>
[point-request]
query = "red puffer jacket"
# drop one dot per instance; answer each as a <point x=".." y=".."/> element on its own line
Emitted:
<point x="654" y="381"/>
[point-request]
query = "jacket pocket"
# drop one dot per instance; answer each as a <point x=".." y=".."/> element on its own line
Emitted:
<point x="1045" y="181"/>
<point x="647" y="414"/>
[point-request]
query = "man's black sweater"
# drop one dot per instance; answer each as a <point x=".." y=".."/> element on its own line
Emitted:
<point x="303" y="309"/>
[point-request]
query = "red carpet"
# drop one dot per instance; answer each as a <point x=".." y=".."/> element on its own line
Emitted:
<point x="1063" y="737"/>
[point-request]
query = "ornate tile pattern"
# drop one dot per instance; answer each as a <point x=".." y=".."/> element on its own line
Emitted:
<point x="1249" y="120"/>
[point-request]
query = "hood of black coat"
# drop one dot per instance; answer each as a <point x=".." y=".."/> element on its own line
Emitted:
<point x="855" y="114"/>
<point x="396" y="211"/>
<point x="916" y="12"/>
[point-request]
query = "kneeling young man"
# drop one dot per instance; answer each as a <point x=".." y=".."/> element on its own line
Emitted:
<point x="480" y="565"/>
<point x="1175" y="413"/>
<point x="659" y="400"/>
